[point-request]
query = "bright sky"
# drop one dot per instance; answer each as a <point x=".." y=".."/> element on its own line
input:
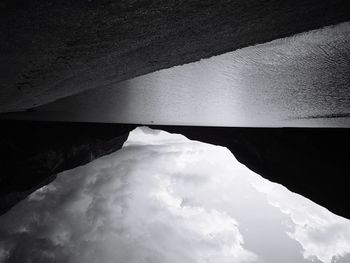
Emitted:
<point x="165" y="199"/>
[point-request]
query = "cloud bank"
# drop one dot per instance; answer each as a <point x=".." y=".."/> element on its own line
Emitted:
<point x="322" y="235"/>
<point x="164" y="198"/>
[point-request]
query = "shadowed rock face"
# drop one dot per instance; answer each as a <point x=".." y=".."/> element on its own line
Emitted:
<point x="311" y="162"/>
<point x="33" y="153"/>
<point x="51" y="50"/>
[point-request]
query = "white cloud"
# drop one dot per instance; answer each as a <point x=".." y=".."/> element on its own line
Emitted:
<point x="130" y="206"/>
<point x="322" y="234"/>
<point x="164" y="198"/>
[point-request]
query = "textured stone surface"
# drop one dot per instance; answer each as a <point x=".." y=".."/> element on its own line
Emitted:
<point x="51" y="50"/>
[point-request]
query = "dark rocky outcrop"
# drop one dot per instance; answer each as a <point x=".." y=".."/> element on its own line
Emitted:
<point x="312" y="162"/>
<point x="32" y="153"/>
<point x="53" y="49"/>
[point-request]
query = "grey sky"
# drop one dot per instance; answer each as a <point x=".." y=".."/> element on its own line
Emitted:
<point x="164" y="198"/>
